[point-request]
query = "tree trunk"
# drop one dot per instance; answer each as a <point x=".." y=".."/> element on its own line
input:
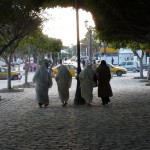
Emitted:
<point x="141" y="67"/>
<point x="148" y="73"/>
<point x="38" y="61"/>
<point x="141" y="62"/>
<point x="9" y="76"/>
<point x="105" y="53"/>
<point x="26" y="71"/>
<point x="26" y="74"/>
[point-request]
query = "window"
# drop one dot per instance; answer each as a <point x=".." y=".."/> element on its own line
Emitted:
<point x="3" y="70"/>
<point x="129" y="63"/>
<point x="122" y="64"/>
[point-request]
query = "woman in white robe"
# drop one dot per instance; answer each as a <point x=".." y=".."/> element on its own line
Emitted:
<point x="43" y="82"/>
<point x="64" y="80"/>
<point x="86" y="78"/>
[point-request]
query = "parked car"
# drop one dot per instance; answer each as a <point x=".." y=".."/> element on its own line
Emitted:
<point x="3" y="74"/>
<point x="70" y="67"/>
<point x="117" y="70"/>
<point x="130" y="65"/>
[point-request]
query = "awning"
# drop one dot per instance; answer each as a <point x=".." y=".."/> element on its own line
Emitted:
<point x="109" y="50"/>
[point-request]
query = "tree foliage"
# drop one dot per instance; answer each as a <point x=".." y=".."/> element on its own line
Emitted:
<point x="116" y="20"/>
<point x="17" y="19"/>
<point x="41" y="44"/>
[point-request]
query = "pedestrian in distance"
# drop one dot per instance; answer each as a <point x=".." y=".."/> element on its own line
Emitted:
<point x="112" y="60"/>
<point x="64" y="80"/>
<point x="94" y="66"/>
<point x="65" y="61"/>
<point x="50" y="70"/>
<point x="19" y="77"/>
<point x="104" y="88"/>
<point x="43" y="82"/>
<point x="83" y="63"/>
<point x="86" y="78"/>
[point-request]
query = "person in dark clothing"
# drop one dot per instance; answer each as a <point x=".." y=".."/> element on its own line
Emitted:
<point x="112" y="60"/>
<point x="83" y="63"/>
<point x="104" y="88"/>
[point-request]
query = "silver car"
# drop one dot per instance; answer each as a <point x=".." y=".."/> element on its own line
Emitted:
<point x="130" y="65"/>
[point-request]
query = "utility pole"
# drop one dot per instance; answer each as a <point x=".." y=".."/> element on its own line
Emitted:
<point x="78" y="99"/>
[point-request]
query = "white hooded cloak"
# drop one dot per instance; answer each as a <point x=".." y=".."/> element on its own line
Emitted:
<point x="64" y="80"/>
<point x="86" y="78"/>
<point x="42" y="81"/>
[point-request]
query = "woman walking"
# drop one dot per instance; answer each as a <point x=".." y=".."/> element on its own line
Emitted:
<point x="64" y="80"/>
<point x="43" y="82"/>
<point x="86" y="78"/>
<point x="104" y="88"/>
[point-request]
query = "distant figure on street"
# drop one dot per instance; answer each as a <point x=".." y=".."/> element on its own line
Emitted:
<point x="104" y="88"/>
<point x="94" y="66"/>
<point x="112" y="60"/>
<point x="86" y="78"/>
<point x="64" y="80"/>
<point x="65" y="61"/>
<point x="34" y="67"/>
<point x="43" y="82"/>
<point x="83" y="63"/>
<point x="50" y="70"/>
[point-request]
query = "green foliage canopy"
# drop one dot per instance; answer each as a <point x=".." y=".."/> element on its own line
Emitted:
<point x="115" y="20"/>
<point x="42" y="43"/>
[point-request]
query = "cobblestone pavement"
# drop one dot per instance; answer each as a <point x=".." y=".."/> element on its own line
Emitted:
<point x="124" y="124"/>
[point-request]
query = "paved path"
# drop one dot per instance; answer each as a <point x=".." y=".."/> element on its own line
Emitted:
<point x="122" y="125"/>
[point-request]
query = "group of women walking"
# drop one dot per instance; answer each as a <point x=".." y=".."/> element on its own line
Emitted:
<point x="43" y="82"/>
<point x="87" y="80"/>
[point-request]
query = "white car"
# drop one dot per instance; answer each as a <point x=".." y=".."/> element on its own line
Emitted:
<point x="130" y="65"/>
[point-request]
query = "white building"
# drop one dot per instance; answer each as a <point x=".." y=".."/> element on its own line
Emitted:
<point x="122" y="55"/>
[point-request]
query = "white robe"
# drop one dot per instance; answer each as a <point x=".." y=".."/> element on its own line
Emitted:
<point x="86" y="78"/>
<point x="64" y="80"/>
<point x="42" y="81"/>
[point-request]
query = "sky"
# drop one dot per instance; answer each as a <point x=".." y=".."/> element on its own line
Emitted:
<point x="61" y="24"/>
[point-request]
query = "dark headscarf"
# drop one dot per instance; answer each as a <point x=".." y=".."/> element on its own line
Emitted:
<point x="46" y="63"/>
<point x="103" y="62"/>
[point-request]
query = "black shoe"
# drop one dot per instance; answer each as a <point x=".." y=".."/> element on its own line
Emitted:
<point x="45" y="105"/>
<point x="64" y="104"/>
<point x="103" y="103"/>
<point x="40" y="105"/>
<point x="108" y="100"/>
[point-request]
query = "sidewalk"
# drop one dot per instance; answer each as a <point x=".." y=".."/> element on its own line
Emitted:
<point x="122" y="125"/>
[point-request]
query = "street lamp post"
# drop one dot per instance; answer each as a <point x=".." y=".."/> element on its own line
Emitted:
<point x="90" y="41"/>
<point x="78" y="99"/>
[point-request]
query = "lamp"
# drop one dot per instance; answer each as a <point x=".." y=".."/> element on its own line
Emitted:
<point x="78" y="99"/>
<point x="90" y="40"/>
